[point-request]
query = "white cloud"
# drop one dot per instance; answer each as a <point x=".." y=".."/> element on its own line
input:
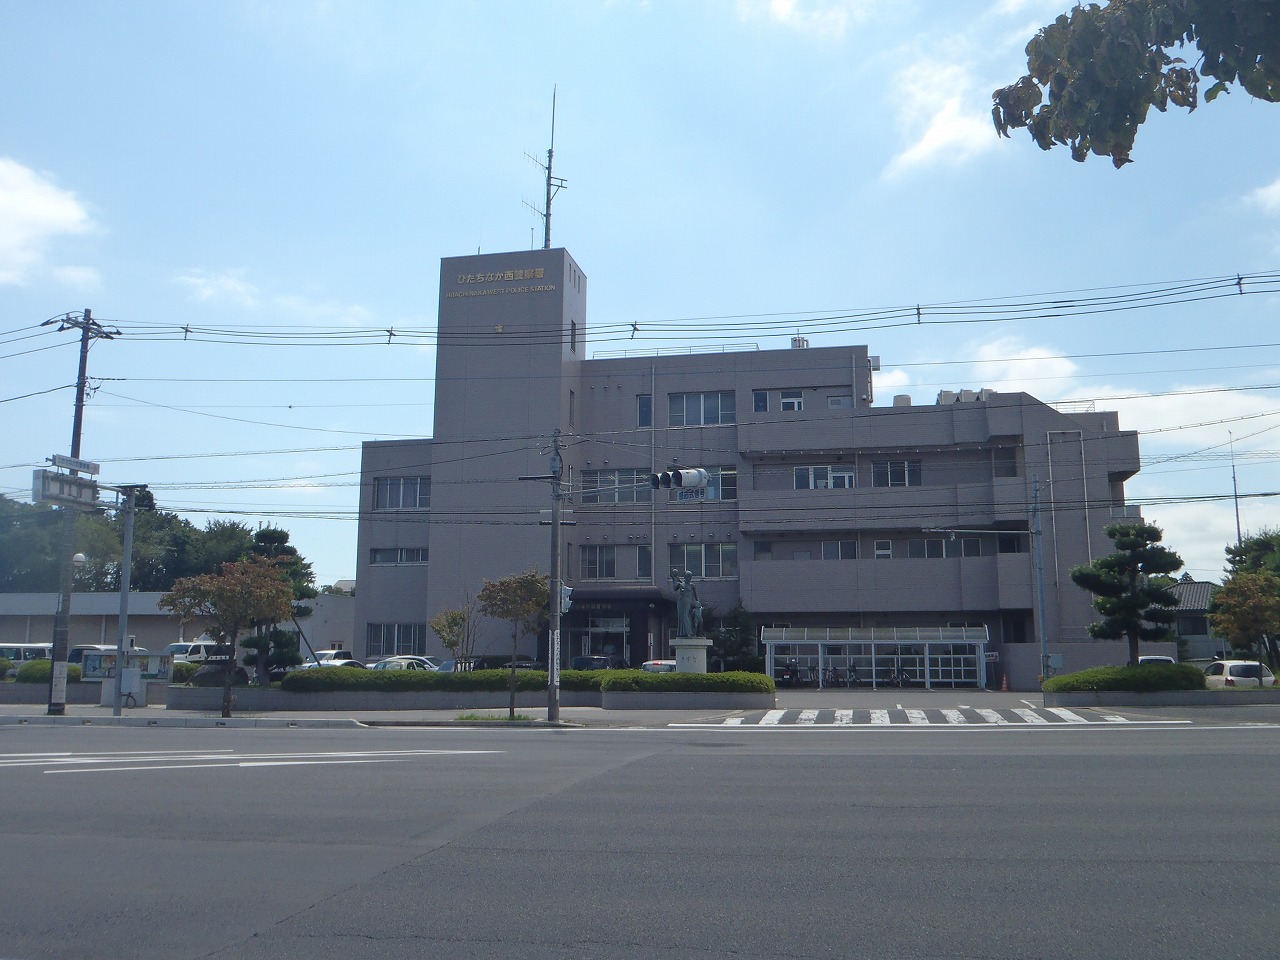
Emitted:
<point x="1268" y="197"/>
<point x="825" y="18"/>
<point x="350" y="314"/>
<point x="33" y="212"/>
<point x="78" y="278"/>
<point x="205" y="285"/>
<point x="1008" y="366"/>
<point x="1198" y="533"/>
<point x="940" y="114"/>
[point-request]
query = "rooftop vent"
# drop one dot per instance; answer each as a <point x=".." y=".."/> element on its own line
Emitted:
<point x="799" y="343"/>
<point x="902" y="400"/>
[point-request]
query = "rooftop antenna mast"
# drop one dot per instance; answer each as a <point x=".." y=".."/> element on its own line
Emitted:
<point x="554" y="184"/>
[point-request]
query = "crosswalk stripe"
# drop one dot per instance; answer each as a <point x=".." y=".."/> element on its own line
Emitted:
<point x="1029" y="715"/>
<point x="734" y="721"/>
<point x="1067" y="715"/>
<point x="844" y="718"/>
<point x="990" y="715"/>
<point x="772" y="717"/>
<point x="880" y="716"/>
<point x="1114" y="719"/>
<point x="807" y="716"/>
<point x="917" y="716"/>
<point x="955" y="716"/>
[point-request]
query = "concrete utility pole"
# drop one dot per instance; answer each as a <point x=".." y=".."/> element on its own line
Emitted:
<point x="90" y="330"/>
<point x="557" y="601"/>
<point x="122" y="642"/>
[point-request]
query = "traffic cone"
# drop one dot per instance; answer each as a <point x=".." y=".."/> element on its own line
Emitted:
<point x="1004" y="683"/>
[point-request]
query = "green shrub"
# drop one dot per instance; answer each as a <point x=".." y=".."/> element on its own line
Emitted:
<point x="5" y="666"/>
<point x="737" y="681"/>
<point x="1148" y="678"/>
<point x="182" y="671"/>
<point x="39" y="671"/>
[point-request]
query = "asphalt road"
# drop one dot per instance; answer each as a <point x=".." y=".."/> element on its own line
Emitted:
<point x="1071" y="841"/>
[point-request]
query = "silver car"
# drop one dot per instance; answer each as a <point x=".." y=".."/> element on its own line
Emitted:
<point x="1230" y="674"/>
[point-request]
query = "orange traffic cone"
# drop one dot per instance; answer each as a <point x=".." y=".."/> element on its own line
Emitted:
<point x="1004" y="683"/>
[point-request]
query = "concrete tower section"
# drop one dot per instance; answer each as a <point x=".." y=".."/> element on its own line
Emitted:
<point x="512" y="329"/>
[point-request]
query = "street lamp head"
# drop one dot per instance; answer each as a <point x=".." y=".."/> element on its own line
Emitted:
<point x="79" y="559"/>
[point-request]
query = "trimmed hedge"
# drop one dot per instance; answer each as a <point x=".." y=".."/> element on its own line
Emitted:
<point x="325" y="679"/>
<point x="5" y="666"/>
<point x="737" y="681"/>
<point x="39" y="671"/>
<point x="182" y="672"/>
<point x="1147" y="678"/>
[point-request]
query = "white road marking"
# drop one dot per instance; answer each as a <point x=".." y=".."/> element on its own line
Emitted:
<point x="917" y="716"/>
<point x="844" y="718"/>
<point x="807" y="716"/>
<point x="1114" y="719"/>
<point x="1067" y="715"/>
<point x="772" y="718"/>
<point x="147" y="762"/>
<point x="954" y="716"/>
<point x="733" y="721"/>
<point x="880" y="717"/>
<point x="991" y="716"/>
<point x="1029" y="715"/>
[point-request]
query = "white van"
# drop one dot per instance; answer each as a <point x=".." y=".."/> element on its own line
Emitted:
<point x="76" y="653"/>
<point x="198" y="651"/>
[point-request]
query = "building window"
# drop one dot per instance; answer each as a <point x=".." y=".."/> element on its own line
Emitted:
<point x="1193" y="626"/>
<point x="615" y="486"/>
<point x="837" y="477"/>
<point x="402" y="493"/>
<point x="896" y="473"/>
<point x="884" y="549"/>
<point x="706" y="560"/>
<point x="760" y="401"/>
<point x="764" y="550"/>
<point x="962" y="547"/>
<point x="572" y="404"/>
<point x="924" y="549"/>
<point x="1011" y="543"/>
<point x="596" y="562"/>
<point x="792" y="400"/>
<point x="839" y="549"/>
<point x="644" y="410"/>
<point x="391" y="639"/>
<point x="840" y="403"/>
<point x="702" y="409"/>
<point x="1004" y="461"/>
<point x="573" y="336"/>
<point x="644" y="561"/>
<point x="380" y="555"/>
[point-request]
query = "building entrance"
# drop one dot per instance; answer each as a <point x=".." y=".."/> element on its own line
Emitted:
<point x="604" y="637"/>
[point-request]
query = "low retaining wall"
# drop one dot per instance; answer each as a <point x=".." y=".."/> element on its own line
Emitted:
<point x="256" y="700"/>
<point x="78" y="694"/>
<point x="1163" y="698"/>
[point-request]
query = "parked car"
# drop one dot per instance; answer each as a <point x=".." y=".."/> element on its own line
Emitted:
<point x="347" y="661"/>
<point x="1229" y="674"/>
<point x="212" y="675"/>
<point x="525" y="665"/>
<point x="591" y="663"/>
<point x="198" y="651"/>
<point x="659" y="666"/>
<point x="1155" y="659"/>
<point x="404" y="663"/>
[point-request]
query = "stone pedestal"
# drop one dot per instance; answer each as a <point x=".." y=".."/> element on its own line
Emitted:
<point x="691" y="654"/>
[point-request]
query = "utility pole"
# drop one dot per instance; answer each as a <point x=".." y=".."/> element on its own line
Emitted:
<point x="130" y="505"/>
<point x="1038" y="554"/>
<point x="90" y="330"/>
<point x="557" y="600"/>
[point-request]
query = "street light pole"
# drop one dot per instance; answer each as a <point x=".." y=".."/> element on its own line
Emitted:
<point x="1038" y="553"/>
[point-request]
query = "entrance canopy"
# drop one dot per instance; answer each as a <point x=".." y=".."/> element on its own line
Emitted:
<point x="877" y="656"/>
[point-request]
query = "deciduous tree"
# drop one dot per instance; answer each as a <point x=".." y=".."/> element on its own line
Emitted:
<point x="1095" y="72"/>
<point x="1134" y="603"/>
<point x="521" y="599"/>
<point x="242" y="595"/>
<point x="1246" y="609"/>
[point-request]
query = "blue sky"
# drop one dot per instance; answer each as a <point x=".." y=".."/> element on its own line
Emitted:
<point x="299" y="169"/>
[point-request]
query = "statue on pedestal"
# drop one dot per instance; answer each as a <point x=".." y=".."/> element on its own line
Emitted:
<point x="688" y="606"/>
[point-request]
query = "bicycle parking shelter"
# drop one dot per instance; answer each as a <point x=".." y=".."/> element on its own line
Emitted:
<point x="878" y="656"/>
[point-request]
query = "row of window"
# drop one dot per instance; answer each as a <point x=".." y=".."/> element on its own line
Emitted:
<point x="720" y="406"/>
<point x="599" y="561"/>
<point x="395" y="639"/>
<point x="402" y="493"/>
<point x="379" y="555"/>
<point x="915" y="549"/>
<point x="632" y="486"/>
